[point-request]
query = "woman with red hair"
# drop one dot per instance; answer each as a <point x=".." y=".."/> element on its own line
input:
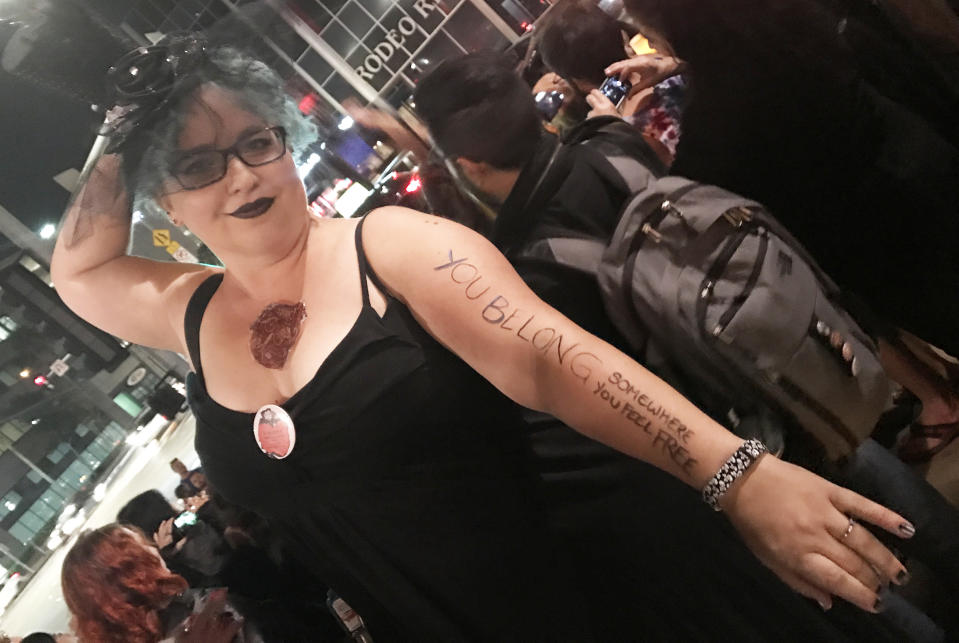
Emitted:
<point x="119" y="589"/>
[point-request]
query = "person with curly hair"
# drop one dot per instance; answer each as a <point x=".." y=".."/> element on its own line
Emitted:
<point x="118" y="589"/>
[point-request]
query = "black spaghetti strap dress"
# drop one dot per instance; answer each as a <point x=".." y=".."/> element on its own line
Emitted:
<point x="414" y="493"/>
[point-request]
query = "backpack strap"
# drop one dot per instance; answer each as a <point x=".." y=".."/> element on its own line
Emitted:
<point x="557" y="148"/>
<point x="582" y="254"/>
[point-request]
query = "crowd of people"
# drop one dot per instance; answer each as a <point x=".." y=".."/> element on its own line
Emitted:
<point x="453" y="433"/>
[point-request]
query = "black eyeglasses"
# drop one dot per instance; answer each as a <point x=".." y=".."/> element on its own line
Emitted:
<point x="199" y="169"/>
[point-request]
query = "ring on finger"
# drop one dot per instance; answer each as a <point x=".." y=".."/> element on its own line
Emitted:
<point x="848" y="530"/>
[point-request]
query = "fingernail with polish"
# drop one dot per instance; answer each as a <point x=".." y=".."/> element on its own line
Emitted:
<point x="879" y="605"/>
<point x="902" y="577"/>
<point x="824" y="605"/>
<point x="907" y="530"/>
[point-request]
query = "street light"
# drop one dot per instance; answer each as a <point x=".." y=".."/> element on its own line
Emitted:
<point x="47" y="231"/>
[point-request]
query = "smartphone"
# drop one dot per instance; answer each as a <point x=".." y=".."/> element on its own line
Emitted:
<point x="548" y="104"/>
<point x="616" y="90"/>
<point x="185" y="519"/>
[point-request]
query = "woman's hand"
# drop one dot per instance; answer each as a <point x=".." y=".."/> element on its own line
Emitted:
<point x="372" y="118"/>
<point x="809" y="541"/>
<point x="601" y="106"/>
<point x="645" y="71"/>
<point x="380" y="120"/>
<point x="164" y="534"/>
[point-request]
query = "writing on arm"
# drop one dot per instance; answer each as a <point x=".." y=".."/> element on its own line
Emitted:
<point x="621" y="398"/>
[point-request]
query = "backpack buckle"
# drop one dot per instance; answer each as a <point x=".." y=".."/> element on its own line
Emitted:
<point x="738" y="216"/>
<point x="652" y="233"/>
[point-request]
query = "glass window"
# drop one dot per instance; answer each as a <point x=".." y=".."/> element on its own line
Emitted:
<point x="372" y="66"/>
<point x="316" y="66"/>
<point x="516" y="15"/>
<point x="9" y="502"/>
<point x="355" y="19"/>
<point x="114" y="431"/>
<point x="376" y="7"/>
<point x="57" y="454"/>
<point x="7" y="322"/>
<point x="82" y="430"/>
<point x="21" y="533"/>
<point x="11" y="431"/>
<point x="427" y="13"/>
<point x="439" y="49"/>
<point x="286" y="38"/>
<point x="42" y="509"/>
<point x="340" y="90"/>
<point x="380" y="45"/>
<point x="312" y="13"/>
<point x="331" y="5"/>
<point x="53" y="498"/>
<point x="473" y="31"/>
<point x="337" y="37"/>
<point x="128" y="404"/>
<point x="35" y="477"/>
<point x="33" y="521"/>
<point x="411" y="35"/>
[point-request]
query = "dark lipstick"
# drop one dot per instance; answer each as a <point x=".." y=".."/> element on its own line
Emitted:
<point x="253" y="209"/>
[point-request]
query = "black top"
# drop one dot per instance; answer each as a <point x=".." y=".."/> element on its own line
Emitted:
<point x="412" y="492"/>
<point x="407" y="491"/>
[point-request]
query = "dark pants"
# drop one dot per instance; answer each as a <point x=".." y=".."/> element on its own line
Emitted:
<point x="875" y="472"/>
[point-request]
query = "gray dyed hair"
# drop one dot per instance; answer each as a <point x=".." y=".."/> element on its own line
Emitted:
<point x="258" y="89"/>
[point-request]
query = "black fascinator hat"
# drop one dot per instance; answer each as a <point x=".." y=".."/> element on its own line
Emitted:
<point x="147" y="79"/>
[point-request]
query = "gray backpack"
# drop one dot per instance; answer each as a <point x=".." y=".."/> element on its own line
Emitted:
<point x="713" y="283"/>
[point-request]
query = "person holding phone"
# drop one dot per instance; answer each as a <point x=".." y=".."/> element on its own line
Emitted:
<point x="578" y="41"/>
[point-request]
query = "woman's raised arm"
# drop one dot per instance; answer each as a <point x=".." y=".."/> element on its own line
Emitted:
<point x="140" y="300"/>
<point x="465" y="293"/>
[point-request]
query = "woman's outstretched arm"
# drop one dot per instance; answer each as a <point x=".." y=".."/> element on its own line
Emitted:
<point x="467" y="295"/>
<point x="140" y="300"/>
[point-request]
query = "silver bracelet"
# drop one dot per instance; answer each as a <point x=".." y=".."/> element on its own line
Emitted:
<point x="734" y="467"/>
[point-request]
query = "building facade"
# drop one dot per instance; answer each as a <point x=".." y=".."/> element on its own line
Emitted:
<point x="70" y="395"/>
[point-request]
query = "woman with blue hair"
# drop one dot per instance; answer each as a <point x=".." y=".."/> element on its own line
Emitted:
<point x="353" y="381"/>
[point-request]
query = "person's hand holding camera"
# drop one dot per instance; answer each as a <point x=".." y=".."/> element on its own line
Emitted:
<point x="645" y="71"/>
<point x="164" y="536"/>
<point x="600" y="105"/>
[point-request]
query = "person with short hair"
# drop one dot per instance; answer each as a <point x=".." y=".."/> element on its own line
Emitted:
<point x="194" y="480"/>
<point x="579" y="41"/>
